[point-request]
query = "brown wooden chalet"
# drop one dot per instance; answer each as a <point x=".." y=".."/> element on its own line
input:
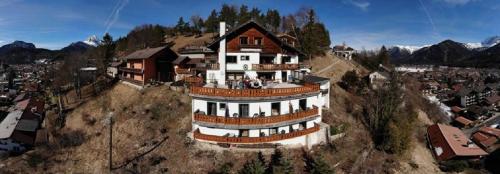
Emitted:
<point x="149" y="64"/>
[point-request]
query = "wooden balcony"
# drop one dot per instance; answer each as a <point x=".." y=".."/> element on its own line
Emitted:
<point x="183" y="71"/>
<point x="266" y="139"/>
<point x="193" y="80"/>
<point x="131" y="70"/>
<point x="130" y="80"/>
<point x="207" y="66"/>
<point x="251" y="46"/>
<point x="273" y="67"/>
<point x="269" y="92"/>
<point x="256" y="120"/>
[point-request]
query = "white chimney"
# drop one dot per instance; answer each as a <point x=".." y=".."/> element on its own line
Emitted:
<point x="222" y="55"/>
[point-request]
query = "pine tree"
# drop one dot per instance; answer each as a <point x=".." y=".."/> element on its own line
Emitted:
<point x="383" y="56"/>
<point x="279" y="164"/>
<point x="316" y="165"/>
<point x="211" y="24"/>
<point x="273" y="20"/>
<point x="181" y="26"/>
<point x="253" y="166"/>
<point x="228" y="14"/>
<point x="244" y="15"/>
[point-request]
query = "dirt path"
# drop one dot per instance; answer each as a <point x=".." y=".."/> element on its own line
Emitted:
<point x="421" y="155"/>
<point x="328" y="67"/>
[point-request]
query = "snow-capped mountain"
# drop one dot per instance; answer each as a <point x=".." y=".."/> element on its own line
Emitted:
<point x="92" y="41"/>
<point x="491" y="41"/>
<point x="472" y="46"/>
<point x="410" y="48"/>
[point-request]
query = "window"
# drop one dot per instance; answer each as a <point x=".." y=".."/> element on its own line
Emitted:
<point x="245" y="58"/>
<point x="211" y="108"/>
<point x="258" y="41"/>
<point x="244" y="133"/>
<point x="231" y="59"/>
<point x="275" y="108"/>
<point x="222" y="106"/>
<point x="243" y="110"/>
<point x="303" y="104"/>
<point x="286" y="59"/>
<point x="243" y="40"/>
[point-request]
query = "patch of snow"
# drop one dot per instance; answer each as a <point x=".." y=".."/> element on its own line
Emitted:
<point x="491" y="41"/>
<point x="410" y="48"/>
<point x="472" y="46"/>
<point x="92" y="41"/>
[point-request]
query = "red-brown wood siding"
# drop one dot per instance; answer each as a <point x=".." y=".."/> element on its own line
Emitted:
<point x="269" y="45"/>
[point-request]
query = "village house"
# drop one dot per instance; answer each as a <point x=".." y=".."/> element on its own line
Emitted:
<point x="343" y="51"/>
<point x="475" y="95"/>
<point x="448" y="142"/>
<point x="254" y="96"/>
<point x="193" y="61"/>
<point x="487" y="138"/>
<point x="150" y="64"/>
<point x="287" y="39"/>
<point x="19" y="129"/>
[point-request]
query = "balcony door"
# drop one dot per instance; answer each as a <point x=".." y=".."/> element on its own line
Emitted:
<point x="211" y="108"/>
<point x="303" y="104"/>
<point x="275" y="108"/>
<point x="244" y="110"/>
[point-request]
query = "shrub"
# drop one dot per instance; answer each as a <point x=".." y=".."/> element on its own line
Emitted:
<point x="34" y="160"/>
<point x="454" y="166"/>
<point x="72" y="138"/>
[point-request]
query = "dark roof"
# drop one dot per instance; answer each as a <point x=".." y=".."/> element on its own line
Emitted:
<point x="180" y="59"/>
<point x="145" y="53"/>
<point x="194" y="61"/>
<point x="27" y="125"/>
<point x="116" y="64"/>
<point x="214" y="45"/>
<point x="315" y="79"/>
<point x="342" y="48"/>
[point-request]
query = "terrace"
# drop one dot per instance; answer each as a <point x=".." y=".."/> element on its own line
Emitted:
<point x="268" y="90"/>
<point x="262" y="120"/>
<point x="272" y="67"/>
<point x="263" y="139"/>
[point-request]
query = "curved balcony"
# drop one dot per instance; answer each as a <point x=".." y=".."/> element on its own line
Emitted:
<point x="269" y="92"/>
<point x="256" y="120"/>
<point x="266" y="139"/>
<point x="273" y="67"/>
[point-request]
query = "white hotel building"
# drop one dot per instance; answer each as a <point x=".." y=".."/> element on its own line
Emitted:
<point x="258" y="94"/>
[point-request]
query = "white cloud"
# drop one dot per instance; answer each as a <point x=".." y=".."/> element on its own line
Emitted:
<point x="458" y="2"/>
<point x="363" y="5"/>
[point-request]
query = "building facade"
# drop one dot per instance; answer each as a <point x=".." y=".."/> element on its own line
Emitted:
<point x="254" y="96"/>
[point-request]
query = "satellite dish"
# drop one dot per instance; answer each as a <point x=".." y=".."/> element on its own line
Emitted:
<point x="245" y="67"/>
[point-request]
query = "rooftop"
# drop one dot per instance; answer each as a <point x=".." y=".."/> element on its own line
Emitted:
<point x="458" y="142"/>
<point x="8" y="124"/>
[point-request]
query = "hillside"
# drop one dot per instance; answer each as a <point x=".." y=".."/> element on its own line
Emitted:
<point x="183" y="41"/>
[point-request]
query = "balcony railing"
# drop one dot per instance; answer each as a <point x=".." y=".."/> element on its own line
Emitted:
<point x="275" y="67"/>
<point x="183" y="71"/>
<point x="256" y="120"/>
<point x="270" y="92"/>
<point x="131" y="70"/>
<point x="253" y="46"/>
<point x="193" y="79"/>
<point x="207" y="66"/>
<point x="271" y="138"/>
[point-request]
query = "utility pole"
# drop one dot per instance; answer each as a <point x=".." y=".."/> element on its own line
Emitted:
<point x="111" y="121"/>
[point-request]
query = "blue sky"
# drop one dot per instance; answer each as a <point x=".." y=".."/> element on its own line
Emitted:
<point x="360" y="23"/>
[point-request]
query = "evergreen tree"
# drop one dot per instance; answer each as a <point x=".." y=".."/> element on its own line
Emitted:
<point x="254" y="166"/>
<point x="279" y="164"/>
<point x="244" y="15"/>
<point x="314" y="37"/>
<point x="228" y="14"/>
<point x="182" y="26"/>
<point x="107" y="52"/>
<point x="212" y="22"/>
<point x="197" y="23"/>
<point x="273" y="20"/>
<point x="256" y="16"/>
<point x="383" y="56"/>
<point x="316" y="165"/>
